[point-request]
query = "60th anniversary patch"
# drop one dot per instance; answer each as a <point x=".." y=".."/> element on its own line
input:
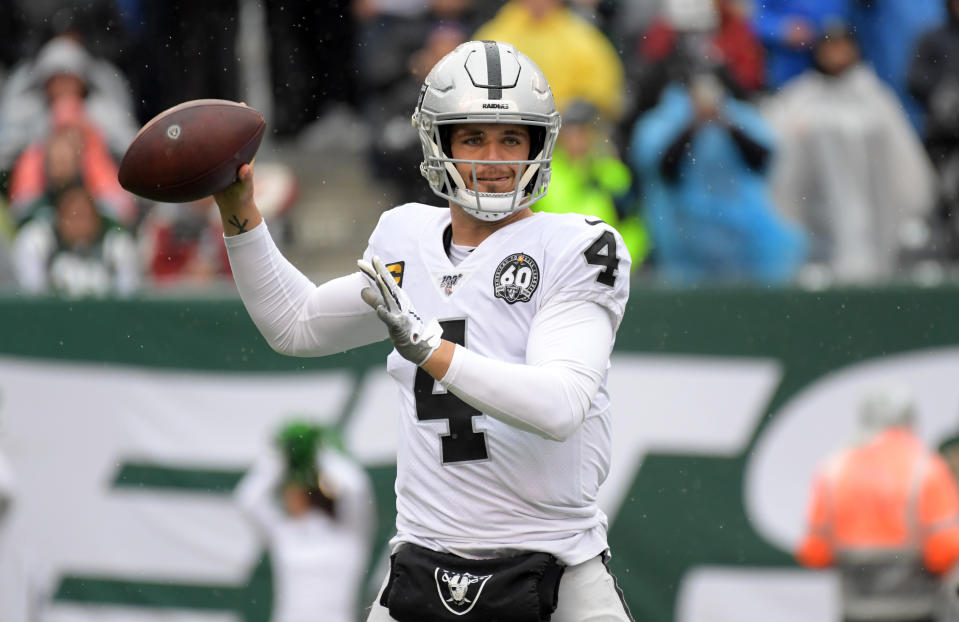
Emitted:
<point x="516" y="278"/>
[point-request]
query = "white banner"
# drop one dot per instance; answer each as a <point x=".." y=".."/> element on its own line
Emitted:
<point x="69" y="430"/>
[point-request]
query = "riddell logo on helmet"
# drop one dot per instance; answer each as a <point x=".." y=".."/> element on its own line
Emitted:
<point x="498" y="106"/>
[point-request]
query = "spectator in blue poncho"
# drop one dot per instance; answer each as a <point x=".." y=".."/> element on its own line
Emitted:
<point x="703" y="158"/>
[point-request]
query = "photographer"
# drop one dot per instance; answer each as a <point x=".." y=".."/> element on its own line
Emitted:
<point x="704" y="158"/>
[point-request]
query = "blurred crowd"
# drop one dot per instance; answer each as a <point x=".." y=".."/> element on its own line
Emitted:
<point x="732" y="141"/>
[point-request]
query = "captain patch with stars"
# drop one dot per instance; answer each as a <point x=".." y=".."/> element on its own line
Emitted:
<point x="516" y="278"/>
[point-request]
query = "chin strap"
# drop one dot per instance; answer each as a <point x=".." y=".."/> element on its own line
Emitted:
<point x="503" y="204"/>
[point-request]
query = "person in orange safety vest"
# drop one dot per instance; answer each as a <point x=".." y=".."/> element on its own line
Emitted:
<point x="885" y="514"/>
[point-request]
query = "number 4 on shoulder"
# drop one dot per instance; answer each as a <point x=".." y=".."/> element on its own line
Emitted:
<point x="602" y="252"/>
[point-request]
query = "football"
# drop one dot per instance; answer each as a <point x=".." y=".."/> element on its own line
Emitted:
<point x="191" y="150"/>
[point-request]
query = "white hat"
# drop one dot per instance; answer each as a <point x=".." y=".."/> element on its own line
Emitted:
<point x="60" y="55"/>
<point x="692" y="15"/>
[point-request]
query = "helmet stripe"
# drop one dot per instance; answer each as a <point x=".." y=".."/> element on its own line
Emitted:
<point x="494" y="71"/>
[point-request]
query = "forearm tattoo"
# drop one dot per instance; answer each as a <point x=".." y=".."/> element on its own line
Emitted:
<point x="240" y="226"/>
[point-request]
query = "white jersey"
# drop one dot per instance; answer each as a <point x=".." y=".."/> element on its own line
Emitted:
<point x="466" y="482"/>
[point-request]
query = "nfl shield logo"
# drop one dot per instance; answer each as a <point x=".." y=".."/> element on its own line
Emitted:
<point x="448" y="282"/>
<point x="459" y="591"/>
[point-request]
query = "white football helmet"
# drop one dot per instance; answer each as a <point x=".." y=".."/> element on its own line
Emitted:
<point x="486" y="82"/>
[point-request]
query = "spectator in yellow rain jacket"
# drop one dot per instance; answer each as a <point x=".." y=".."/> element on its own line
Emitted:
<point x="590" y="179"/>
<point x="577" y="58"/>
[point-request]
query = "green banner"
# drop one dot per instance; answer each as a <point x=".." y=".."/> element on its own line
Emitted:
<point x="712" y="390"/>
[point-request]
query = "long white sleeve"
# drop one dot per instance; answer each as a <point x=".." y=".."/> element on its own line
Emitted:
<point x="295" y="316"/>
<point x="355" y="502"/>
<point x="566" y="359"/>
<point x="31" y="257"/>
<point x="254" y="494"/>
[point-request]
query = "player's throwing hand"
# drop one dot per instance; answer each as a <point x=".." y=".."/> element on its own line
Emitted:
<point x="412" y="339"/>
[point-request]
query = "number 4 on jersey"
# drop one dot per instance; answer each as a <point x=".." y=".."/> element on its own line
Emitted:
<point x="602" y="252"/>
<point x="461" y="444"/>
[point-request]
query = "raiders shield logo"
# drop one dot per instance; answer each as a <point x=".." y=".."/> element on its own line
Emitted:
<point x="459" y="591"/>
<point x="516" y="278"/>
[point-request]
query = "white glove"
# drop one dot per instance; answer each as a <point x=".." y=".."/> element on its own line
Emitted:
<point x="414" y="341"/>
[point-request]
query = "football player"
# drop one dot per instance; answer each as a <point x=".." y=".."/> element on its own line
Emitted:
<point x="502" y="323"/>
